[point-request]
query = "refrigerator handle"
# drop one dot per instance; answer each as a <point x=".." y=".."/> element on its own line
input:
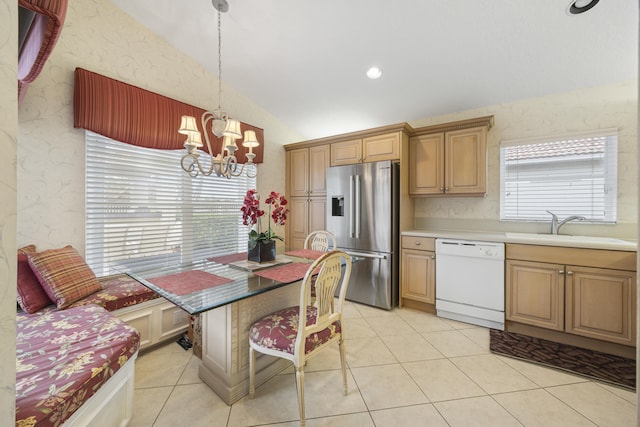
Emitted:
<point x="351" y="203"/>
<point x="357" y="209"/>
<point x="366" y="255"/>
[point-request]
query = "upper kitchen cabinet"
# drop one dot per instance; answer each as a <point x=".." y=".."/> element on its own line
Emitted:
<point x="307" y="169"/>
<point x="368" y="149"/>
<point x="449" y="159"/>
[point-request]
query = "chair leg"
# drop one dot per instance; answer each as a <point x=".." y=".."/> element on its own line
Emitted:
<point x="343" y="363"/>
<point x="252" y="374"/>
<point x="300" y="387"/>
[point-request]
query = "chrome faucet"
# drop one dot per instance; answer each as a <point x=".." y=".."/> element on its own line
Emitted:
<point x="555" y="225"/>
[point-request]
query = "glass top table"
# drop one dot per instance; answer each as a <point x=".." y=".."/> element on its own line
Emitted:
<point x="242" y="283"/>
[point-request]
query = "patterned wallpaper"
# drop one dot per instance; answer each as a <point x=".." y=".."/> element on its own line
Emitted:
<point x="51" y="152"/>
<point x="8" y="262"/>
<point x="612" y="106"/>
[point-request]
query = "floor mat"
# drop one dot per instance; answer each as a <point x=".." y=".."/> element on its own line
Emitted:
<point x="617" y="370"/>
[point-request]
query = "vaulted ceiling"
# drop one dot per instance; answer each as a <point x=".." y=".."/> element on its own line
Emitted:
<point x="305" y="61"/>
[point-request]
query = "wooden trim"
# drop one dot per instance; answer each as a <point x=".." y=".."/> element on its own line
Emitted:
<point x="404" y="127"/>
<point x="417" y="305"/>
<point x="459" y="125"/>
<point x="399" y="127"/>
<point x="597" y="258"/>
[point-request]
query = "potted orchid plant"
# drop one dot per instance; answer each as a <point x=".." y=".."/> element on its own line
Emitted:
<point x="262" y="246"/>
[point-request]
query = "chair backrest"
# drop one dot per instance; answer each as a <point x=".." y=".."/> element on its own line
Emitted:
<point x="333" y="273"/>
<point x="320" y="240"/>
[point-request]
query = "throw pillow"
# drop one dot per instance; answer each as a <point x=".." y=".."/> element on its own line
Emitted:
<point x="64" y="275"/>
<point x="30" y="295"/>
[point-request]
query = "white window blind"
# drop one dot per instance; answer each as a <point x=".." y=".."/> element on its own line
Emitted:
<point x="568" y="175"/>
<point x="143" y="211"/>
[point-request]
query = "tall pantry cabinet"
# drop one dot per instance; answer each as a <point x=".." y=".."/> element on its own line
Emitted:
<point x="307" y="192"/>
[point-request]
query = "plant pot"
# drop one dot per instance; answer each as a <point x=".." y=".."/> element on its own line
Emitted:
<point x="263" y="251"/>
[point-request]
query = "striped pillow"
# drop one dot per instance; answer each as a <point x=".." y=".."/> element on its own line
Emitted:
<point x="64" y="275"/>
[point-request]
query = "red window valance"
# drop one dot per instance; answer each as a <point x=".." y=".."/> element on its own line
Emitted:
<point x="41" y="37"/>
<point x="137" y="116"/>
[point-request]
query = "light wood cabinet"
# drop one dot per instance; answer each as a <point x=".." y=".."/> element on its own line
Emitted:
<point x="601" y="304"/>
<point x="449" y="163"/>
<point x="306" y="191"/>
<point x="364" y="150"/>
<point x="306" y="214"/>
<point x="535" y="294"/>
<point x="418" y="272"/>
<point x="579" y="294"/>
<point x="307" y="171"/>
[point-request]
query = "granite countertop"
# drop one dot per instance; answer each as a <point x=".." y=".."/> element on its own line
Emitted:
<point x="590" y="242"/>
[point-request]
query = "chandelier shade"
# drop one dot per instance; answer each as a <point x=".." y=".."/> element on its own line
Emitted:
<point x="188" y="125"/>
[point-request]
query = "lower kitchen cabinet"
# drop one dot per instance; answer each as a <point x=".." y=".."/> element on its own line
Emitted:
<point x="578" y="295"/>
<point x="306" y="214"/>
<point x="601" y="304"/>
<point x="535" y="294"/>
<point x="418" y="270"/>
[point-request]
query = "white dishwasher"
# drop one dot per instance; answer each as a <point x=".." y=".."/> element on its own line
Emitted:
<point x="470" y="282"/>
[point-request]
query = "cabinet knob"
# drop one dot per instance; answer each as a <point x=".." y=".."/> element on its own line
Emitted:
<point x="560" y="271"/>
<point x="569" y="273"/>
<point x="433" y="257"/>
<point x="442" y="189"/>
<point x="417" y="243"/>
<point x="446" y="189"/>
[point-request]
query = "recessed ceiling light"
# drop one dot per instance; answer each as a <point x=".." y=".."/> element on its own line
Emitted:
<point x="374" y="73"/>
<point x="577" y="7"/>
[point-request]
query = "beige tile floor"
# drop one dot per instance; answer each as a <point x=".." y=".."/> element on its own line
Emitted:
<point x="406" y="368"/>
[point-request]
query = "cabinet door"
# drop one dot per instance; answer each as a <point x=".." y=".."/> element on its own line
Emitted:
<point x="466" y="161"/>
<point x="418" y="276"/>
<point x="381" y="147"/>
<point x="319" y="158"/>
<point x="298" y="222"/>
<point x="426" y="164"/>
<point x="346" y="153"/>
<point x="298" y="172"/>
<point x="535" y="294"/>
<point x="601" y="304"/>
<point x="317" y="214"/>
<point x="306" y="214"/>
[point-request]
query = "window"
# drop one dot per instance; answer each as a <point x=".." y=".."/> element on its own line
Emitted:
<point x="569" y="175"/>
<point x="144" y="211"/>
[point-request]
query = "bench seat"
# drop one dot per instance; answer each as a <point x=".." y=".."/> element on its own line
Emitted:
<point x="63" y="357"/>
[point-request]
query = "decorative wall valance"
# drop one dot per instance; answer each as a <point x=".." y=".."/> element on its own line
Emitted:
<point x="41" y="24"/>
<point x="137" y="116"/>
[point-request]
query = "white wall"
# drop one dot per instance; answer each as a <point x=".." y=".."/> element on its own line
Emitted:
<point x="8" y="262"/>
<point x="612" y="106"/>
<point x="100" y="37"/>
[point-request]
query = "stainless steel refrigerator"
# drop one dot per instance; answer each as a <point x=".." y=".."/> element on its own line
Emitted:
<point x="362" y="211"/>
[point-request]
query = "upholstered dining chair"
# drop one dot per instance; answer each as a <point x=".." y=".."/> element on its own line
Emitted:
<point x="300" y="332"/>
<point x="320" y="240"/>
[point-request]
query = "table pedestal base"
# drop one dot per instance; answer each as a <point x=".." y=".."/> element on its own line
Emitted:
<point x="225" y="343"/>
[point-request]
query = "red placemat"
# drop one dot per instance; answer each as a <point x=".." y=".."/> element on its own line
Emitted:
<point x="189" y="281"/>
<point x="286" y="273"/>
<point x="228" y="259"/>
<point x="306" y="253"/>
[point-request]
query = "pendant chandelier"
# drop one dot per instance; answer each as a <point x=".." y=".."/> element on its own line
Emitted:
<point x="223" y="164"/>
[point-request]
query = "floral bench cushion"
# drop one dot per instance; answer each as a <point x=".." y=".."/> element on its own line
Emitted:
<point x="278" y="330"/>
<point x="117" y="292"/>
<point x="63" y="357"/>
